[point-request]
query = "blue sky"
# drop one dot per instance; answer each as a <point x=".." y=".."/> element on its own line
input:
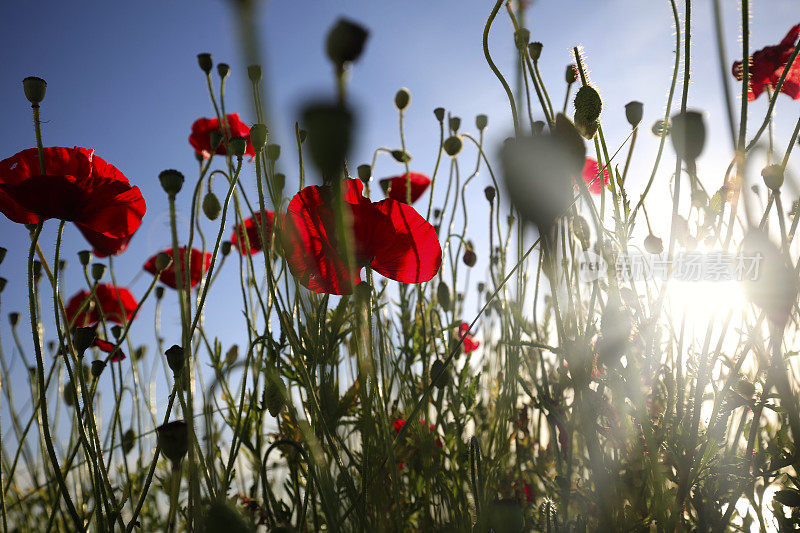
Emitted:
<point x="123" y="79"/>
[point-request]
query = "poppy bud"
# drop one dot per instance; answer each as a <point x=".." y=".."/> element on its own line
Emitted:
<point x="3" y="282"/>
<point x="521" y="38"/>
<point x="587" y="128"/>
<point x="571" y="74"/>
<point x="175" y="358"/>
<point x="98" y="365"/>
<point x="34" y="89"/>
<point x="469" y="258"/>
<point x="163" y="260"/>
<point x="401" y="156"/>
<point x="273" y="152"/>
<point x="633" y="112"/>
<point x="82" y="338"/>
<point x="258" y="136"/>
<point x="439" y="114"/>
<point x="254" y="73"/>
<point x="688" y="135"/>
<point x="214" y="139"/>
<point x="171" y="181"/>
<point x="490" y="193"/>
<point x="439" y="374"/>
<point x="345" y="42"/>
<point x="330" y="128"/>
<point x="2" y="254"/>
<point x="274" y="394"/>
<point x="481" y="286"/>
<point x="443" y="295"/>
<point x="535" y="50"/>
<point x="205" y="62"/>
<point x="69" y="394"/>
<point x="98" y="271"/>
<point x="454" y="124"/>
<point x="13" y="318"/>
<point x="223" y="69"/>
<point x="159" y="292"/>
<point x="364" y="173"/>
<point x="481" y="121"/>
<point x="773" y="176"/>
<point x="226" y="248"/>
<point x="653" y="244"/>
<point x="173" y="439"/>
<point x="238" y="146"/>
<point x="402" y="99"/>
<point x="280" y="181"/>
<point x="211" y="206"/>
<point x="452" y="145"/>
<point x="84" y="256"/>
<point x="588" y="104"/>
<point x="437" y="213"/>
<point x="139" y="352"/>
<point x="116" y="331"/>
<point x="128" y="439"/>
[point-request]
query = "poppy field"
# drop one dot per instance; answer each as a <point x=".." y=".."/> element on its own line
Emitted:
<point x="560" y="328"/>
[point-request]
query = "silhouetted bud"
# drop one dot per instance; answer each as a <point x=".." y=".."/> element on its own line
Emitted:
<point x="345" y="42"/>
<point x="98" y="271"/>
<point x="401" y="156"/>
<point x="35" y="89"/>
<point x="254" y="73"/>
<point x="13" y="318"/>
<point x="205" y="62"/>
<point x="588" y="104"/>
<point x="159" y="292"/>
<point x="173" y="439"/>
<point x="274" y="393"/>
<point x="223" y="69"/>
<point x="443" y="295"/>
<point x="3" y="282"/>
<point x="454" y="124"/>
<point x="330" y="128"/>
<point x="490" y="193"/>
<point x="175" y="358"/>
<point x="82" y="338"/>
<point x="163" y="260"/>
<point x="571" y="74"/>
<point x="481" y="122"/>
<point x="469" y="258"/>
<point x="225" y="248"/>
<point x="633" y="112"/>
<point x="258" y="136"/>
<point x="439" y="375"/>
<point x="521" y="38"/>
<point x="128" y="439"/>
<point x="653" y="244"/>
<point x="535" y="50"/>
<point x="116" y="331"/>
<point x="773" y="176"/>
<point x="439" y="114"/>
<point x="171" y="181"/>
<point x="98" y="365"/>
<point x="211" y="205"/>
<point x="452" y="145"/>
<point x="84" y="256"/>
<point x="402" y="99"/>
<point x="214" y="139"/>
<point x="238" y="146"/>
<point x="364" y="173"/>
<point x="688" y="135"/>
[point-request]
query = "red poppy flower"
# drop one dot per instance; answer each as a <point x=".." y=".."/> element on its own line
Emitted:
<point x="469" y="344"/>
<point x="200" y="139"/>
<point x="253" y="228"/>
<point x="390" y="237"/>
<point x="108" y="347"/>
<point x="77" y="186"/>
<point x="399" y="423"/>
<point x="395" y="187"/>
<point x="590" y="175"/>
<point x="117" y="304"/>
<point x="198" y="264"/>
<point x="766" y="67"/>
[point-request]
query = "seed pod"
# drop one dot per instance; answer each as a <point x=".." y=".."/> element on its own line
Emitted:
<point x="205" y="62"/>
<point x="35" y="89"/>
<point x="345" y="42"/>
<point x="688" y="135"/>
<point x="254" y="73"/>
<point x="98" y="365"/>
<point x="258" y="136"/>
<point x="364" y="173"/>
<point x="98" y="271"/>
<point x="439" y="375"/>
<point x="175" y="358"/>
<point x="223" y="69"/>
<point x="211" y="205"/>
<point x="173" y="440"/>
<point x="443" y="295"/>
<point x="454" y="123"/>
<point x="84" y="256"/>
<point x="469" y="258"/>
<point x="226" y="248"/>
<point x="439" y="114"/>
<point x="238" y="146"/>
<point x="653" y="244"/>
<point x="171" y="181"/>
<point x="82" y="338"/>
<point x="273" y="152"/>
<point x="633" y="112"/>
<point x="163" y="261"/>
<point x="452" y="145"/>
<point x="481" y="121"/>
<point x="402" y="99"/>
<point x="490" y="193"/>
<point x="535" y="50"/>
<point x="521" y="38"/>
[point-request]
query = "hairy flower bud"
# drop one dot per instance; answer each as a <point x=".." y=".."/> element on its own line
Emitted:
<point x="402" y="99"/>
<point x="35" y="89"/>
<point x="443" y="295"/>
<point x="205" y="62"/>
<point x="633" y="112"/>
<point x="175" y="358"/>
<point x="173" y="440"/>
<point x="571" y="74"/>
<point x="452" y="145"/>
<point x="98" y="271"/>
<point x="171" y="181"/>
<point x="211" y="205"/>
<point x="258" y="136"/>
<point x="588" y="104"/>
<point x="469" y="258"/>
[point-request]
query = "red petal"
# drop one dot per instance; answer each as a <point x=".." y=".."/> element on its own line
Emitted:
<point x="395" y="186"/>
<point x="198" y="265"/>
<point x="590" y="175"/>
<point x="108" y="347"/>
<point x="200" y="139"/>
<point x="253" y="228"/>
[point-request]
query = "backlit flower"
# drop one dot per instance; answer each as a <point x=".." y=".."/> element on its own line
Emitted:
<point x="108" y="347"/>
<point x="253" y="228"/>
<point x="395" y="187"/>
<point x="388" y="236"/>
<point x="116" y="304"/>
<point x="200" y="139"/>
<point x="591" y="171"/>
<point x="77" y="186"/>
<point x="199" y="263"/>
<point x="469" y="344"/>
<point x="766" y="67"/>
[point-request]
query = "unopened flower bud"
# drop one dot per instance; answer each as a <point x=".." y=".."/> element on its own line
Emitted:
<point x="345" y="42"/>
<point x="364" y="173"/>
<point x="98" y="365"/>
<point x="274" y="393"/>
<point x="238" y="146"/>
<point x="175" y="358"/>
<point x="439" y="375"/>
<point x="69" y="394"/>
<point x="454" y="124"/>
<point x="171" y="181"/>
<point x="82" y="338"/>
<point x="439" y="114"/>
<point x="159" y="292"/>
<point x="163" y="260"/>
<point x="588" y="103"/>
<point x="633" y="112"/>
<point x="469" y="258"/>
<point x="273" y="152"/>
<point x="84" y="256"/>
<point x="34" y="89"/>
<point x="211" y="205"/>
<point x="773" y="176"/>
<point x="223" y="69"/>
<point x="521" y="38"/>
<point x="258" y="136"/>
<point x="481" y="286"/>
<point x="402" y="99"/>
<point x="688" y="135"/>
<point x="226" y="248"/>
<point x="452" y="145"/>
<point x="481" y="122"/>
<point x="443" y="295"/>
<point x="280" y="181"/>
<point x="571" y="74"/>
<point x="490" y="193"/>
<point x="653" y="244"/>
<point x="128" y="440"/>
<point x="98" y="271"/>
<point x="535" y="50"/>
<point x="401" y="156"/>
<point x="116" y="331"/>
<point x="254" y="73"/>
<point x="13" y="318"/>
<point x="205" y="62"/>
<point x="587" y="128"/>
<point x="173" y="440"/>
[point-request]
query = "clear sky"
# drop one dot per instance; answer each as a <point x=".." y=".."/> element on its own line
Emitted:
<point x="123" y="79"/>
